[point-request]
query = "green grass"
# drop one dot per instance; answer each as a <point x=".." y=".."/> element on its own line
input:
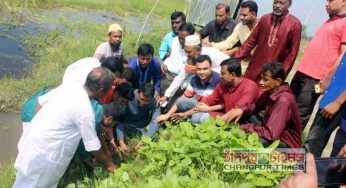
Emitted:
<point x="7" y="174"/>
<point x="54" y="51"/>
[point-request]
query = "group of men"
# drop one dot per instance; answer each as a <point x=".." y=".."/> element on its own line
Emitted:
<point x="233" y="71"/>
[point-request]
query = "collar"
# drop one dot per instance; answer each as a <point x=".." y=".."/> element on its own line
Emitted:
<point x="226" y="25"/>
<point x="279" y="19"/>
<point x="337" y="16"/>
<point x="283" y="88"/>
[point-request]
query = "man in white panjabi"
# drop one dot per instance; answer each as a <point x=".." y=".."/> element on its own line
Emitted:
<point x="52" y="139"/>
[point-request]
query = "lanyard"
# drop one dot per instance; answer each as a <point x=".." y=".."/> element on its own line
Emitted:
<point x="142" y="79"/>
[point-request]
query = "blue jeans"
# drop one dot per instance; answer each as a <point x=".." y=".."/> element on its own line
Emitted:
<point x="339" y="142"/>
<point x="138" y="128"/>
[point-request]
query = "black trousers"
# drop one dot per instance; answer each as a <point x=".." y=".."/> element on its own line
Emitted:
<point x="303" y="88"/>
<point x="320" y="132"/>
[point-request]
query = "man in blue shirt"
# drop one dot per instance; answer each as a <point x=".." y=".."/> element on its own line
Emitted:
<point x="177" y="18"/>
<point x="146" y="67"/>
<point x="328" y="116"/>
<point x="140" y="113"/>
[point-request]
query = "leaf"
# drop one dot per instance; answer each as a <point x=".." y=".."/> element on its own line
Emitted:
<point x="219" y="121"/>
<point x="274" y="145"/>
<point x="261" y="181"/>
<point x="125" y="176"/>
<point x="246" y="185"/>
<point x="253" y="139"/>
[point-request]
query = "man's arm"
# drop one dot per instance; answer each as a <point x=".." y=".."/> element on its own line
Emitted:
<point x="204" y="32"/>
<point x="215" y="98"/>
<point x="250" y="43"/>
<point x="326" y="81"/>
<point x="157" y="76"/>
<point x="164" y="48"/>
<point x="332" y="108"/>
<point x="295" y="37"/>
<point x="229" y="42"/>
<point x="275" y="125"/>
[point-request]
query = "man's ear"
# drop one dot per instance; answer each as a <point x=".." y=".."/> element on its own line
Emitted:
<point x="279" y="82"/>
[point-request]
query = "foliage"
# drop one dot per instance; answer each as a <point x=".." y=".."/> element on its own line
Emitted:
<point x="7" y="174"/>
<point x="190" y="156"/>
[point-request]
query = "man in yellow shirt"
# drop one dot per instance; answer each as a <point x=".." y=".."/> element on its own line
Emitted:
<point x="248" y="17"/>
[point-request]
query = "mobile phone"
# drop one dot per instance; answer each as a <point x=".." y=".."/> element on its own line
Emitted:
<point x="318" y="89"/>
<point x="164" y="104"/>
<point x="331" y="171"/>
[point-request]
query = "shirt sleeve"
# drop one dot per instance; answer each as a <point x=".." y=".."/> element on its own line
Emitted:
<point x="177" y="82"/>
<point x="99" y="53"/>
<point x="164" y="48"/>
<point x="250" y="43"/>
<point x="157" y="76"/>
<point x="189" y="92"/>
<point x="248" y="97"/>
<point x="229" y="42"/>
<point x="204" y="32"/>
<point x="215" y="98"/>
<point x="295" y="36"/>
<point x="86" y="125"/>
<point x="276" y="124"/>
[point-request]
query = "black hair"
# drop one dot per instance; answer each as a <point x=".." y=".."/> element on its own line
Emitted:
<point x="223" y="5"/>
<point x="177" y="14"/>
<point x="129" y="75"/>
<point x="147" y="89"/>
<point x="203" y="58"/>
<point x="187" y="27"/>
<point x="145" y="49"/>
<point x="114" y="64"/>
<point x="98" y="78"/>
<point x="114" y="109"/>
<point x="275" y="68"/>
<point x="252" y="5"/>
<point x="233" y="65"/>
<point x="125" y="90"/>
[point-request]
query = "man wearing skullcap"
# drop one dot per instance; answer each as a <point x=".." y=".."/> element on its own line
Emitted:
<point x="113" y="46"/>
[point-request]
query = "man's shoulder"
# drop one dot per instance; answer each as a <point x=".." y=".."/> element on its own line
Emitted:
<point x="249" y="83"/>
<point x="132" y="61"/>
<point x="168" y="36"/>
<point x="294" y="19"/>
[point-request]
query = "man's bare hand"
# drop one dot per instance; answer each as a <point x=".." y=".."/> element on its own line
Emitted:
<point x="161" y="118"/>
<point x="342" y="152"/>
<point x="235" y="115"/>
<point x="207" y="44"/>
<point x="201" y="107"/>
<point x="178" y="117"/>
<point x="162" y="100"/>
<point x="301" y="179"/>
<point x="330" y="110"/>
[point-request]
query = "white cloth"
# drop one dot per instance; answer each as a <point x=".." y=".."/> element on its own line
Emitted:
<point x="78" y="71"/>
<point x="216" y="57"/>
<point x="53" y="136"/>
<point x="175" y="62"/>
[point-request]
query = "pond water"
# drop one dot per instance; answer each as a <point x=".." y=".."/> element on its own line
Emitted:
<point x="15" y="58"/>
<point x="10" y="132"/>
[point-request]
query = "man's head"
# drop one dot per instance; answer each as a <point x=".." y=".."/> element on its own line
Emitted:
<point x="123" y="93"/>
<point x="98" y="82"/>
<point x="280" y="7"/>
<point x="115" y="34"/>
<point x="145" y="94"/>
<point x="127" y="76"/>
<point x="230" y="70"/>
<point x="273" y="75"/>
<point x="335" y="7"/>
<point x="145" y="55"/>
<point x="185" y="30"/>
<point x="203" y="67"/>
<point x="111" y="112"/>
<point x="248" y="12"/>
<point x="192" y="47"/>
<point x="114" y="64"/>
<point x="177" y="18"/>
<point x="222" y="13"/>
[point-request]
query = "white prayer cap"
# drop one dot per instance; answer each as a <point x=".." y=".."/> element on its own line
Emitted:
<point x="192" y="40"/>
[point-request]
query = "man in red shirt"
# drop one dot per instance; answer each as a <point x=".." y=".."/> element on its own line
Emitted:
<point x="235" y="92"/>
<point x="320" y="59"/>
<point x="277" y="37"/>
<point x="281" y="119"/>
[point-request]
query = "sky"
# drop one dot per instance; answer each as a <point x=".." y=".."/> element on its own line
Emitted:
<point x="311" y="13"/>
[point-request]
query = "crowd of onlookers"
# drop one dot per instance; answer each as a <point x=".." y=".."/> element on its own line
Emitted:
<point x="234" y="71"/>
